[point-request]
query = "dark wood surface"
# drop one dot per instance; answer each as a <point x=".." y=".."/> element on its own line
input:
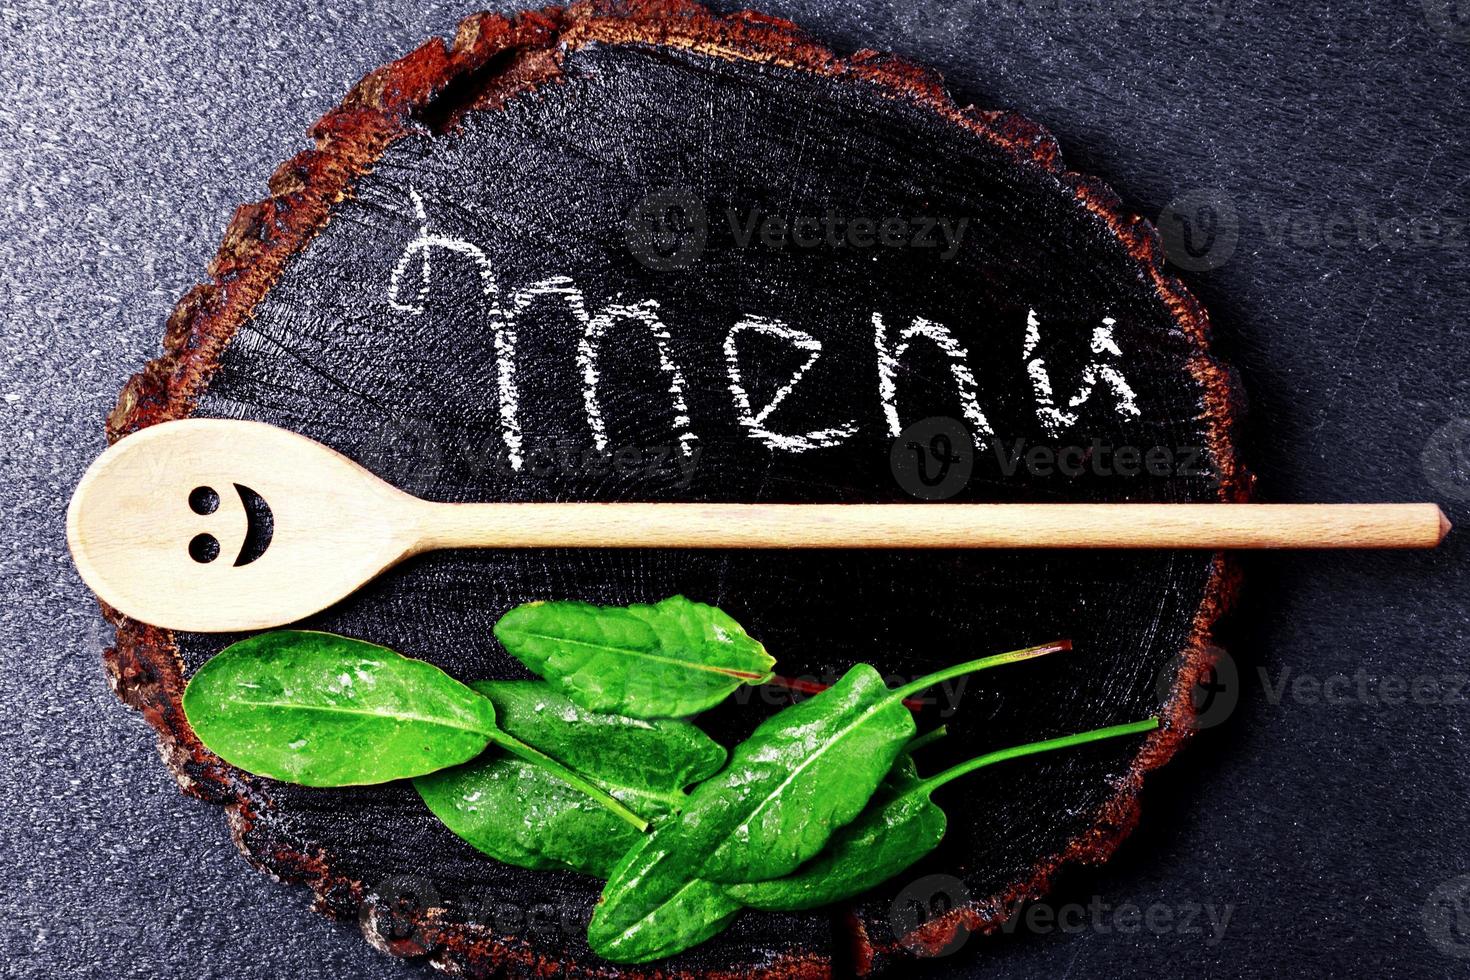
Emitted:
<point x="470" y="201"/>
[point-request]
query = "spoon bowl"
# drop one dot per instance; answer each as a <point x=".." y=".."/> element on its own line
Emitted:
<point x="216" y="525"/>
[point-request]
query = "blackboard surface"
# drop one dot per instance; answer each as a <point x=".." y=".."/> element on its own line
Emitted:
<point x="1327" y="824"/>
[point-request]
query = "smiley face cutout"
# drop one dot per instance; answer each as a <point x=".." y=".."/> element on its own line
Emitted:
<point x="206" y="547"/>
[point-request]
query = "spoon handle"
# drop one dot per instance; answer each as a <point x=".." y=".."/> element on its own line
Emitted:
<point x="669" y="525"/>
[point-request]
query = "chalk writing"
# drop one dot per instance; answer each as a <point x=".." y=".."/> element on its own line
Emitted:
<point x="1056" y="420"/>
<point x="755" y="422"/>
<point x="504" y="312"/>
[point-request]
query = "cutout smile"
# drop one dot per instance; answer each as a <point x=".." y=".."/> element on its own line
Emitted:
<point x="260" y="525"/>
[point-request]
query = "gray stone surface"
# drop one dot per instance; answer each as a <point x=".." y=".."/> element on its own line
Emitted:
<point x="1332" y="826"/>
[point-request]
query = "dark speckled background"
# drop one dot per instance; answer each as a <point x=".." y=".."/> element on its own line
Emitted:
<point x="129" y="132"/>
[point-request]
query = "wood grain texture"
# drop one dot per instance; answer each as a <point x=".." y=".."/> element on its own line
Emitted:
<point x="535" y="137"/>
<point x="933" y="526"/>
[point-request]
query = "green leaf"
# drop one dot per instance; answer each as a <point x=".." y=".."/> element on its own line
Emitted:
<point x="896" y="829"/>
<point x="658" y="901"/>
<point x="523" y="814"/>
<point x="652" y="907"/>
<point x="668" y="660"/>
<point x="803" y="773"/>
<point x="900" y="826"/>
<point x="810" y="769"/>
<point x="656" y="757"/>
<point x="519" y="813"/>
<point x="325" y="710"/>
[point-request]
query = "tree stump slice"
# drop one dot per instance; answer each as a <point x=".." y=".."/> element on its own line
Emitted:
<point x="612" y="155"/>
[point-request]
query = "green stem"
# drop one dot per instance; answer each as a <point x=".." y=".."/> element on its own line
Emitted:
<point x="984" y="663"/>
<point x="801" y="686"/>
<point x="538" y="758"/>
<point x="1031" y="748"/>
<point x="926" y="739"/>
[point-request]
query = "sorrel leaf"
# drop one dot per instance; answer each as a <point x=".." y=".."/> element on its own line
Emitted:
<point x="655" y="756"/>
<point x="668" y="660"/>
<point x="800" y="774"/>
<point x="804" y="772"/>
<point x="522" y="814"/>
<point x="900" y="825"/>
<point x="808" y="770"/>
<point x="326" y="710"/>
<point x="656" y="902"/>
<point x="652" y="907"/>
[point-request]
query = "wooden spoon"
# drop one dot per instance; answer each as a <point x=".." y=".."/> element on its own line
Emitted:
<point x="212" y="525"/>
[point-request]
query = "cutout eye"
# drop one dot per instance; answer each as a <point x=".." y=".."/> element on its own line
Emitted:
<point x="203" y="500"/>
<point x="204" y="548"/>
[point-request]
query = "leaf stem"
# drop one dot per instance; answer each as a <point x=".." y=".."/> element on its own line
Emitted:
<point x="802" y="686"/>
<point x="538" y="758"/>
<point x="926" y="738"/>
<point x="984" y="663"/>
<point x="1032" y="748"/>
